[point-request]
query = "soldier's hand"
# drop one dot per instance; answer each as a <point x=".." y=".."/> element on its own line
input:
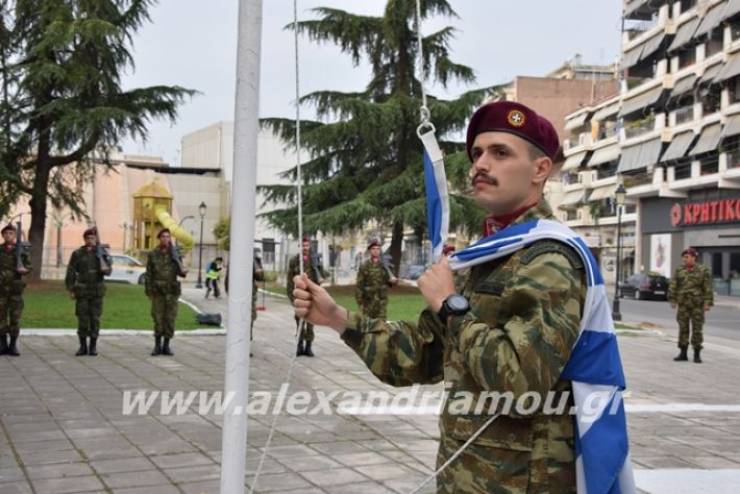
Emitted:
<point x="707" y="307"/>
<point x="436" y="284"/>
<point x="22" y="271"/>
<point x="314" y="304"/>
<point x="394" y="280"/>
<point x="72" y="295"/>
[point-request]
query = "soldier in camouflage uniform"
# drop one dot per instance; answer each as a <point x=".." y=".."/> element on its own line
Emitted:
<point x="506" y="326"/>
<point x="163" y="289"/>
<point x="691" y="291"/>
<point x="11" y="291"/>
<point x="373" y="280"/>
<point x="86" y="286"/>
<point x="315" y="271"/>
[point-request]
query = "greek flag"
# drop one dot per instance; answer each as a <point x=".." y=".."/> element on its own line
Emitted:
<point x="435" y="183"/>
<point x="602" y="451"/>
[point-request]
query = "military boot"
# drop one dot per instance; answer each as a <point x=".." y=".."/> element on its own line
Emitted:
<point x="3" y="344"/>
<point x="308" y="352"/>
<point x="12" y="348"/>
<point x="166" y="348"/>
<point x="83" y="346"/>
<point x="157" y="346"/>
<point x="682" y="357"/>
<point x="697" y="355"/>
<point x="300" y="351"/>
<point x="92" y="350"/>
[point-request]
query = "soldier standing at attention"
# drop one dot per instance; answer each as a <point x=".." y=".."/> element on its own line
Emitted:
<point x="508" y="326"/>
<point x="373" y="280"/>
<point x="11" y="291"/>
<point x="163" y="266"/>
<point x="315" y="271"/>
<point x="691" y="291"/>
<point x="86" y="286"/>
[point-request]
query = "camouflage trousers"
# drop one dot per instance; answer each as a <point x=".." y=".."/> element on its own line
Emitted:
<point x="11" y="309"/>
<point x="164" y="313"/>
<point x="88" y="311"/>
<point x="306" y="330"/>
<point x="375" y="309"/>
<point x="489" y="470"/>
<point x="690" y="315"/>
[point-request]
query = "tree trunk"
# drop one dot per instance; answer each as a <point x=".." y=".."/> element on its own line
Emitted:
<point x="38" y="220"/>
<point x="396" y="244"/>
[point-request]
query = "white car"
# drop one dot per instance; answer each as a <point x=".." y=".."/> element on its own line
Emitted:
<point x="126" y="269"/>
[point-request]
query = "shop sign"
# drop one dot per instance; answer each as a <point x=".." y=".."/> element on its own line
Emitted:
<point x="706" y="213"/>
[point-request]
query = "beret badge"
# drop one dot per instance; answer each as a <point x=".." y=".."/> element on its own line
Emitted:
<point x="516" y="118"/>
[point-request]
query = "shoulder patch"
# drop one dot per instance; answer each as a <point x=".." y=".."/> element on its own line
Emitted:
<point x="552" y="247"/>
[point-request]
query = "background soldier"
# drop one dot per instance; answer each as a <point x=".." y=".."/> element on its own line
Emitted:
<point x="163" y="266"/>
<point x="315" y="271"/>
<point x="213" y="275"/>
<point x="11" y="290"/>
<point x="86" y="286"/>
<point x="691" y="290"/>
<point x="258" y="274"/>
<point x="373" y="280"/>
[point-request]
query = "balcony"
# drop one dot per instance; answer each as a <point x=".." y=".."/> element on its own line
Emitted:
<point x="729" y="170"/>
<point x="696" y="178"/>
<point x="639" y="127"/>
<point x="684" y="115"/>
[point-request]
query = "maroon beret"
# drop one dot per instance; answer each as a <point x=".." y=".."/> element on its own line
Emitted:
<point x="306" y="238"/>
<point x="690" y="251"/>
<point x="90" y="231"/>
<point x="517" y="119"/>
<point x="374" y="242"/>
<point x="7" y="228"/>
<point x="163" y="231"/>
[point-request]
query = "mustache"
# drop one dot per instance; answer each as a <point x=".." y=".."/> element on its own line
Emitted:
<point x="485" y="177"/>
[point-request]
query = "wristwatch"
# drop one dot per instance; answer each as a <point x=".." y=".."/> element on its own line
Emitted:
<point x="454" y="305"/>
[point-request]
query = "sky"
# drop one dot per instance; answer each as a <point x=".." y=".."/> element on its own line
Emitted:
<point x="192" y="43"/>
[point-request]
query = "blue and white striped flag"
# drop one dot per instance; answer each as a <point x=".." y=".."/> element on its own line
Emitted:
<point x="595" y="368"/>
<point x="435" y="183"/>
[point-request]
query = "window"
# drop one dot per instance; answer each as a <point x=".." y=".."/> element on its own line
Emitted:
<point x="687" y="5"/>
<point x="683" y="171"/>
<point x="717" y="264"/>
<point x="572" y="215"/>
<point x="607" y="170"/>
<point x="711" y="100"/>
<point x="710" y="166"/>
<point x="715" y="44"/>
<point x="685" y="114"/>
<point x="734" y="88"/>
<point x="687" y="57"/>
<point x="735" y="29"/>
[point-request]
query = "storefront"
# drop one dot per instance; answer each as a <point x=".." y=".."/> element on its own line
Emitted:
<point x="708" y="220"/>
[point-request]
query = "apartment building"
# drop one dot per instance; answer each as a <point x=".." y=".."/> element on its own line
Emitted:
<point x="677" y="132"/>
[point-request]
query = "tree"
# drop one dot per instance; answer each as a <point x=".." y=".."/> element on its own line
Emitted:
<point x="63" y="107"/>
<point x="365" y="158"/>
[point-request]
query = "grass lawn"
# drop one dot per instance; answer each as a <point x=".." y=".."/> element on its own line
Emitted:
<point x="125" y="307"/>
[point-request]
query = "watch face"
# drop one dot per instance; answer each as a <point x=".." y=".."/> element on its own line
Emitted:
<point x="458" y="303"/>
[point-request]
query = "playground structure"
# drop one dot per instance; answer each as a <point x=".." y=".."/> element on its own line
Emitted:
<point x="152" y="212"/>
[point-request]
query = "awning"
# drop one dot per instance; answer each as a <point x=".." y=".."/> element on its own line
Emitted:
<point x="678" y="147"/>
<point x="576" y="122"/>
<point x="652" y="45"/>
<point x="630" y="58"/>
<point x="606" y="112"/>
<point x="573" y="199"/>
<point x="574" y="161"/>
<point x="633" y="6"/>
<point x="730" y="69"/>
<point x="712" y="19"/>
<point x="683" y="85"/>
<point x="684" y="33"/>
<point x="641" y="101"/>
<point x="708" y="140"/>
<point x="640" y="156"/>
<point x="733" y="8"/>
<point x="710" y="74"/>
<point x="604" y="155"/>
<point x="732" y="126"/>
<point x="602" y="193"/>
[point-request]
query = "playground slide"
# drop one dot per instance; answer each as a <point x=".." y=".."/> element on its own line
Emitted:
<point x="184" y="240"/>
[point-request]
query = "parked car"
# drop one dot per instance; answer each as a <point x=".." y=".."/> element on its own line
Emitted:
<point x="643" y="286"/>
<point x="126" y="269"/>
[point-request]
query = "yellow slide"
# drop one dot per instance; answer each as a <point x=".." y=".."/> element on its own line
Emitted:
<point x="184" y="240"/>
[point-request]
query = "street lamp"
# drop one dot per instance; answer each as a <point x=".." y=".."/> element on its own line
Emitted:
<point x="202" y="211"/>
<point x="189" y="217"/>
<point x="620" y="194"/>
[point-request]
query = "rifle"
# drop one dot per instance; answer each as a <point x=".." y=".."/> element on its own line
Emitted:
<point x="315" y="266"/>
<point x="177" y="259"/>
<point x="20" y="248"/>
<point x="102" y="253"/>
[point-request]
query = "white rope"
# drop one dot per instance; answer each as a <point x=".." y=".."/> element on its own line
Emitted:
<point x="425" y="113"/>
<point x="299" y="186"/>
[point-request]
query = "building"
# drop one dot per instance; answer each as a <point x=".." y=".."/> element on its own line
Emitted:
<point x="679" y="133"/>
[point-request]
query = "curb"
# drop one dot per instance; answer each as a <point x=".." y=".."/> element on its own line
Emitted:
<point x="119" y="332"/>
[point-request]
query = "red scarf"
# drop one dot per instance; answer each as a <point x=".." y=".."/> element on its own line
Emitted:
<point x="492" y="223"/>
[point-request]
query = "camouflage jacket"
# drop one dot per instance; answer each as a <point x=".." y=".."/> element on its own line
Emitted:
<point x="372" y="282"/>
<point x="84" y="276"/>
<point x="161" y="273"/>
<point x="10" y="280"/>
<point x="315" y="273"/>
<point x="691" y="287"/>
<point x="516" y="339"/>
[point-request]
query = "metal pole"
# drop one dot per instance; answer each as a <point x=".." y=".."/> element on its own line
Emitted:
<point x="244" y="187"/>
<point x="616" y="315"/>
<point x="199" y="284"/>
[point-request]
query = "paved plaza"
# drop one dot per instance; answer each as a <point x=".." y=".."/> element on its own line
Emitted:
<point x="63" y="430"/>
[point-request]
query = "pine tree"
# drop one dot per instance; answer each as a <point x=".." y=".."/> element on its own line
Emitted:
<point x="365" y="160"/>
<point x="62" y="106"/>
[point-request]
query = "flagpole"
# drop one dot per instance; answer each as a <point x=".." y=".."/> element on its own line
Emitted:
<point x="246" y="129"/>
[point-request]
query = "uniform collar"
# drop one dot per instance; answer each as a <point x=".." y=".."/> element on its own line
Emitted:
<point x="540" y="210"/>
